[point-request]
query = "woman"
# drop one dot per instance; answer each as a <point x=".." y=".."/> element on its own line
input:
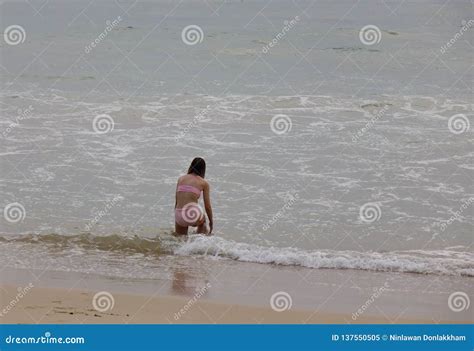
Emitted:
<point x="186" y="208"/>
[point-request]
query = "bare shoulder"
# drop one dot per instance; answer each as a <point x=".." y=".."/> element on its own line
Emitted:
<point x="205" y="184"/>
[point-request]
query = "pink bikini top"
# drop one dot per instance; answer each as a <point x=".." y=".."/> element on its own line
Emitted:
<point x="189" y="189"/>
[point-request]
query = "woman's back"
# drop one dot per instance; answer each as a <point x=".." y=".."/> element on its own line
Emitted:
<point x="189" y="189"/>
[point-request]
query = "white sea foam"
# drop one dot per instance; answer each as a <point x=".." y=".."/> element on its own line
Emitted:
<point x="454" y="261"/>
<point x="400" y="162"/>
<point x="415" y="261"/>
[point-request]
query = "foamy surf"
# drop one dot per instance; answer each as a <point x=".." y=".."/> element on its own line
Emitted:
<point x="425" y="262"/>
<point x="440" y="262"/>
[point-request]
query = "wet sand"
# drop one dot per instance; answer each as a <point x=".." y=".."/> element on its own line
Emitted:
<point x="245" y="293"/>
<point x="45" y="305"/>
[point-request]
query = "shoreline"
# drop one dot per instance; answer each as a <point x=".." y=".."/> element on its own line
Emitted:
<point x="63" y="306"/>
<point x="244" y="294"/>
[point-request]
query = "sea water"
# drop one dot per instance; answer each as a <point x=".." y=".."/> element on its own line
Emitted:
<point x="323" y="150"/>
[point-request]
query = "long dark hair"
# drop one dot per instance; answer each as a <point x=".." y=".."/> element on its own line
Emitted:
<point x="198" y="167"/>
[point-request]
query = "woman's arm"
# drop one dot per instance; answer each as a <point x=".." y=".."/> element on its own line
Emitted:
<point x="176" y="195"/>
<point x="207" y="205"/>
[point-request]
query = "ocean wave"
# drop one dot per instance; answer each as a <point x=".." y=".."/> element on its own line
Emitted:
<point x="440" y="262"/>
<point x="87" y="241"/>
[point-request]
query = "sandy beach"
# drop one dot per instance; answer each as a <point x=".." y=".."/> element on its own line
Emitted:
<point x="57" y="306"/>
<point x="230" y="293"/>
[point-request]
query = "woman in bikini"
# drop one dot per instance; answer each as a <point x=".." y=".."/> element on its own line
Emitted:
<point x="186" y="208"/>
